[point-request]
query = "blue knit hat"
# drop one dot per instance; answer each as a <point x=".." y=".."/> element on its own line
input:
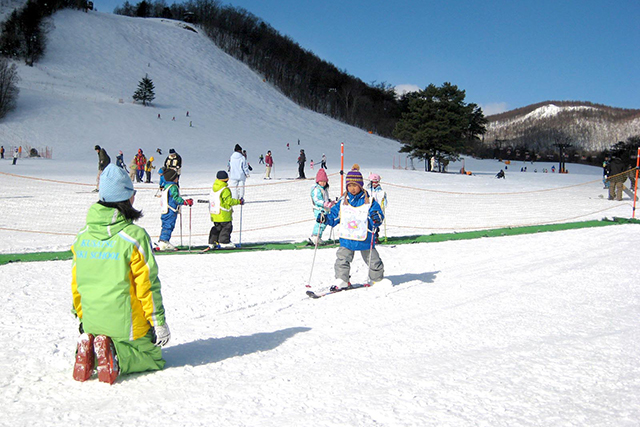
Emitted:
<point x="115" y="185"/>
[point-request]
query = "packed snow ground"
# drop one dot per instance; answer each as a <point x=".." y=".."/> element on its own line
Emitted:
<point x="526" y="330"/>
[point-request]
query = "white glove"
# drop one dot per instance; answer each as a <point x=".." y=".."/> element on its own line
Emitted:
<point x="162" y="335"/>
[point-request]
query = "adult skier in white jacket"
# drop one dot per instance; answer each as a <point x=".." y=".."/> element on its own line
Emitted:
<point x="238" y="172"/>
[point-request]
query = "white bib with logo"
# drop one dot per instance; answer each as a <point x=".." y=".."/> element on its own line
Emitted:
<point x="354" y="221"/>
<point x="164" y="200"/>
<point x="215" y="202"/>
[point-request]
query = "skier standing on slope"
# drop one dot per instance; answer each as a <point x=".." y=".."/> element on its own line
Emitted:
<point x="103" y="161"/>
<point x="120" y="161"/>
<point x="221" y="210"/>
<point x="238" y="172"/>
<point x="148" y="168"/>
<point x="379" y="195"/>
<point x="302" y="159"/>
<point x="268" y="165"/>
<point x="358" y="215"/>
<point x="321" y="204"/>
<point x="141" y="161"/>
<point x="115" y="288"/>
<point x="170" y="208"/>
<point x="173" y="161"/>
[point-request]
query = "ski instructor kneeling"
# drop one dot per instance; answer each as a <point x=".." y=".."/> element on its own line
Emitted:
<point x="115" y="287"/>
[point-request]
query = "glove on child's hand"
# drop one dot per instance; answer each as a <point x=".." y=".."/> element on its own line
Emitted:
<point x="376" y="218"/>
<point x="161" y="335"/>
<point x="328" y="204"/>
<point x="242" y="200"/>
<point x="188" y="202"/>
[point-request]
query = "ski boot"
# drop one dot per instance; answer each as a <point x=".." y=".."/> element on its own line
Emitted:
<point x="108" y="368"/>
<point x="85" y="358"/>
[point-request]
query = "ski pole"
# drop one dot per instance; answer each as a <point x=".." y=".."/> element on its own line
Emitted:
<point x="373" y="236"/>
<point x="240" y="234"/>
<point x="180" y="212"/>
<point x="189" y="228"/>
<point x="314" y="258"/>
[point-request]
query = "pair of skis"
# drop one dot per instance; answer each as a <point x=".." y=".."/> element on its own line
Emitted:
<point x="314" y="295"/>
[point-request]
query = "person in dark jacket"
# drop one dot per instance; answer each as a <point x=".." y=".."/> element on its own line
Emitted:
<point x="103" y="161"/>
<point x="173" y="161"/>
<point x="617" y="177"/>
<point x="302" y="159"/>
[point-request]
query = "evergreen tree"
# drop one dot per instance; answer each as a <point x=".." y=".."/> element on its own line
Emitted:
<point x="34" y="38"/>
<point x="8" y="86"/>
<point x="145" y="92"/>
<point x="439" y="123"/>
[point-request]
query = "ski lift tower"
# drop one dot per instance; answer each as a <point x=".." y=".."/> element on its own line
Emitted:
<point x="562" y="147"/>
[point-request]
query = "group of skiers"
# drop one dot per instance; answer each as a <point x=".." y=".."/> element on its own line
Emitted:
<point x="115" y="286"/>
<point x="140" y="166"/>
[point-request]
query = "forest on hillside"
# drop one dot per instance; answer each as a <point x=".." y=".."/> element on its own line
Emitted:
<point x="301" y="75"/>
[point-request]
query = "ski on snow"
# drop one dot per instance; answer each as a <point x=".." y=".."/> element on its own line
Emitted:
<point x="313" y="295"/>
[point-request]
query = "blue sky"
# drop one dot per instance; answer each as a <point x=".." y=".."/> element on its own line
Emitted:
<point x="504" y="54"/>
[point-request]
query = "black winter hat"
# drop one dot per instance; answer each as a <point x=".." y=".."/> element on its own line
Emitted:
<point x="170" y="174"/>
<point x="171" y="151"/>
<point x="237" y="148"/>
<point x="222" y="175"/>
<point x="97" y="147"/>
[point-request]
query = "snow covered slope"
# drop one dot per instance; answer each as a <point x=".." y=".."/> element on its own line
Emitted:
<point x="79" y="95"/>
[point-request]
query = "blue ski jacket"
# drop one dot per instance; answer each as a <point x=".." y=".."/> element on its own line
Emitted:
<point x="375" y="218"/>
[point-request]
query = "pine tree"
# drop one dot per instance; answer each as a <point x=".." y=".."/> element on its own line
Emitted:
<point x="145" y="91"/>
<point x="439" y="123"/>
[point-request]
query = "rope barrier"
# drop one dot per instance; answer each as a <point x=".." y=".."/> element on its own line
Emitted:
<point x="387" y="184"/>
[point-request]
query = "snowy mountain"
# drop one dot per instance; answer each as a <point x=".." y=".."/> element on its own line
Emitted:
<point x="80" y="95"/>
<point x="589" y="127"/>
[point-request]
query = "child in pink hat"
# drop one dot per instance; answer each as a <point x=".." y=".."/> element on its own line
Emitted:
<point x="321" y="204"/>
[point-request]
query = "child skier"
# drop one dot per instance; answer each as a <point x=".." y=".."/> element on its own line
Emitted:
<point x="321" y="204"/>
<point x="162" y="181"/>
<point x="379" y="194"/>
<point x="148" y="168"/>
<point x="221" y="205"/>
<point x="115" y="288"/>
<point x="170" y="204"/>
<point x="358" y="214"/>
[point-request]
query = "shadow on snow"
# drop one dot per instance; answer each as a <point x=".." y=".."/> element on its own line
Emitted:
<point x="212" y="350"/>
<point x="428" y="277"/>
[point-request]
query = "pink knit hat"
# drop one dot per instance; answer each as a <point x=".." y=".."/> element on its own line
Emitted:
<point x="321" y="176"/>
